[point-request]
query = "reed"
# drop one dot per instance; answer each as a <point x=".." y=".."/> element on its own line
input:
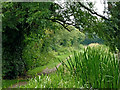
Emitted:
<point x="96" y="67"/>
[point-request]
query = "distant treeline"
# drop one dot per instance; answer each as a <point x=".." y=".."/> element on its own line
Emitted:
<point x="89" y="40"/>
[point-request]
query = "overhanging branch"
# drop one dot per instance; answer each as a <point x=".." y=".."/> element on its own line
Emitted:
<point x="65" y="24"/>
<point x="61" y="22"/>
<point x="93" y="12"/>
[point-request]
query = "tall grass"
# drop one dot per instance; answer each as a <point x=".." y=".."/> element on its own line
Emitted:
<point x="53" y="81"/>
<point x="95" y="67"/>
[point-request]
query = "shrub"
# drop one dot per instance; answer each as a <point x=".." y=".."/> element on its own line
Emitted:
<point x="12" y="63"/>
<point x="33" y="57"/>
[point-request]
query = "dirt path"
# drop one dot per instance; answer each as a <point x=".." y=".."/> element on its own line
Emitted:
<point x="18" y="84"/>
<point x="45" y="71"/>
<point x="48" y="71"/>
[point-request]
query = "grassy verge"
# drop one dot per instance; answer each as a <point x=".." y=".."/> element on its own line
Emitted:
<point x="50" y="65"/>
<point x="33" y="72"/>
<point x="91" y="68"/>
<point x="8" y="83"/>
<point x="97" y="67"/>
<point x="53" y="63"/>
<point x="53" y="81"/>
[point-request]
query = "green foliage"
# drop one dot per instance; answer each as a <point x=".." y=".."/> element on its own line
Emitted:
<point x="53" y="81"/>
<point x="81" y="17"/>
<point x="41" y="51"/>
<point x="51" y="64"/>
<point x="95" y="68"/>
<point x="88" y="40"/>
<point x="84" y="17"/>
<point x="31" y="40"/>
<point x="90" y="68"/>
<point x="27" y="35"/>
<point x="18" y="20"/>
<point x="108" y="30"/>
<point x="67" y="39"/>
<point x="76" y="37"/>
<point x="8" y="83"/>
<point x="33" y="53"/>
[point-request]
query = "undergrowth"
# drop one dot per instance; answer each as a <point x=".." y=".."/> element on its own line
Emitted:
<point x="94" y="67"/>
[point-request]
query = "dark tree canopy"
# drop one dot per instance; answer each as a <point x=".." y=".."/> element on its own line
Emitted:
<point x="20" y="19"/>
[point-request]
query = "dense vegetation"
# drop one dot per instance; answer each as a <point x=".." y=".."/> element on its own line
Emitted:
<point x="27" y="43"/>
<point x="36" y="34"/>
<point x="89" y="68"/>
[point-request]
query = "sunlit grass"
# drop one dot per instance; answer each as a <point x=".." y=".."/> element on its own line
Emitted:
<point x="96" y="66"/>
<point x="53" y="81"/>
<point x="37" y="70"/>
<point x="8" y="83"/>
<point x="50" y="65"/>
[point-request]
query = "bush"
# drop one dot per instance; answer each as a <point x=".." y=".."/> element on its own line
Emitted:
<point x="33" y="56"/>
<point x="12" y="63"/>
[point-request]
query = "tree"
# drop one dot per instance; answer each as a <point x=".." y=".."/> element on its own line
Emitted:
<point x="19" y="20"/>
<point x="76" y="36"/>
<point x="84" y="18"/>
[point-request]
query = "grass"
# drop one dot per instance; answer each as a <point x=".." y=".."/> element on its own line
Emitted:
<point x="53" y="81"/>
<point x="95" y="67"/>
<point x="33" y="72"/>
<point x="50" y="65"/>
<point x="8" y="83"/>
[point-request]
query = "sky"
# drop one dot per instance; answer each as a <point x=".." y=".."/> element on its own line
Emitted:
<point x="99" y="5"/>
